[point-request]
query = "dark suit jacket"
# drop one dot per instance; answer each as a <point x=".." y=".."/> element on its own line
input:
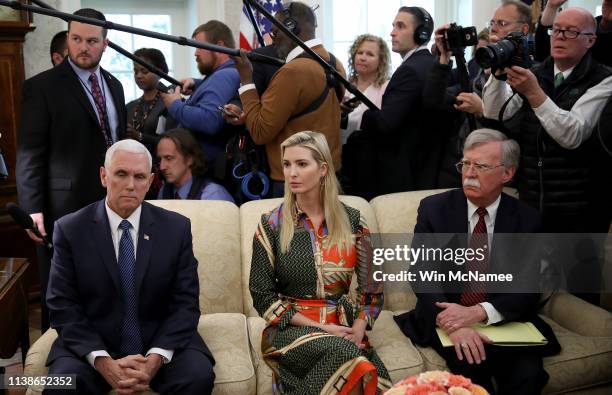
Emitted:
<point x="446" y="213"/>
<point x="59" y="145"/>
<point x="407" y="152"/>
<point x="84" y="294"/>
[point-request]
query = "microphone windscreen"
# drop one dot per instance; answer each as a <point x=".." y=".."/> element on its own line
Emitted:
<point x="21" y="217"/>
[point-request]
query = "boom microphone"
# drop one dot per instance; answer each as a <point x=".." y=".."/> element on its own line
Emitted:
<point x="25" y="221"/>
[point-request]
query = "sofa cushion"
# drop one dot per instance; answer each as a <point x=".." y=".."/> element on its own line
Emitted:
<point x="584" y="361"/>
<point x="250" y="215"/>
<point x="256" y="326"/>
<point x="396" y="351"/>
<point x="216" y="245"/>
<point x="225" y="335"/>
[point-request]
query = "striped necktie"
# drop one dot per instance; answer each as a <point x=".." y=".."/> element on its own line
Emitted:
<point x="474" y="292"/>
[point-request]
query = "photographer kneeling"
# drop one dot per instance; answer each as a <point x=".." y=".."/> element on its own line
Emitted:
<point x="551" y="110"/>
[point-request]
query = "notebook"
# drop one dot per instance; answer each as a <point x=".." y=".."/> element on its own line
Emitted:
<point x="508" y="334"/>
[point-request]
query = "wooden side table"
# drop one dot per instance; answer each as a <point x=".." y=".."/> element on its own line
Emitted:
<point x="14" y="329"/>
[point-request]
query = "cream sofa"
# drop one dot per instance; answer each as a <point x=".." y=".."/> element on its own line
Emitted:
<point x="231" y="327"/>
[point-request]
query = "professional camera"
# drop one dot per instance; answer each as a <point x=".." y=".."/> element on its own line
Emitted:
<point x="513" y="50"/>
<point x="456" y="38"/>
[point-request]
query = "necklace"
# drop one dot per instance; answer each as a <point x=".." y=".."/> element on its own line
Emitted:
<point x="142" y="112"/>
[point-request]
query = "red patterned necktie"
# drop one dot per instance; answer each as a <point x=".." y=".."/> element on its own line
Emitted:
<point x="101" y="108"/>
<point x="474" y="292"/>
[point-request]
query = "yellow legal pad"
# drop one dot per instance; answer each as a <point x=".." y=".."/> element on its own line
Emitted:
<point x="509" y="334"/>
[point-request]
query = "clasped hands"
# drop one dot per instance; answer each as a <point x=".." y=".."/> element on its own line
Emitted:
<point x="456" y="321"/>
<point x="354" y="334"/>
<point x="131" y="374"/>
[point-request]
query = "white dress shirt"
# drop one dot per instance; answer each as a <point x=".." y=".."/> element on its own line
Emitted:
<point x="111" y="111"/>
<point x="114" y="221"/>
<point x="568" y="128"/>
<point x="493" y="315"/>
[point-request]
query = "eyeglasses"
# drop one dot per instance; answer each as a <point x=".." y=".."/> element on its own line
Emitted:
<point x="464" y="165"/>
<point x="499" y="23"/>
<point x="569" y="34"/>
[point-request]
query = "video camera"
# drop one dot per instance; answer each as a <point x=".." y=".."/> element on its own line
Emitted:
<point x="513" y="50"/>
<point x="457" y="38"/>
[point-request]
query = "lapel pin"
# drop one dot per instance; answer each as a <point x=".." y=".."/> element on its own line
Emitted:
<point x="146" y="237"/>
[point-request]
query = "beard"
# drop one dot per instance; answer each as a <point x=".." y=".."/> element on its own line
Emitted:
<point x="88" y="63"/>
<point x="207" y="68"/>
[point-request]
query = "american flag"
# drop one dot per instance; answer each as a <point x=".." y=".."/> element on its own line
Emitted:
<point x="248" y="37"/>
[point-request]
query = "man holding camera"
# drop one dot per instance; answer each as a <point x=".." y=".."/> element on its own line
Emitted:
<point x="553" y="116"/>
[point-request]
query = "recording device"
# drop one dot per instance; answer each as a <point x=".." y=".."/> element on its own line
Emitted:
<point x="25" y="221"/>
<point x="352" y="102"/>
<point x="227" y="112"/>
<point x="513" y="50"/>
<point x="457" y="38"/>
<point x="165" y="89"/>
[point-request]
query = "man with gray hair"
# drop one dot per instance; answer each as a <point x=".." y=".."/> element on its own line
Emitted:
<point x="124" y="292"/>
<point x="481" y="209"/>
<point x="553" y="116"/>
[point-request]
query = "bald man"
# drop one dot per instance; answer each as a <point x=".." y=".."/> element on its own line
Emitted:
<point x="559" y="104"/>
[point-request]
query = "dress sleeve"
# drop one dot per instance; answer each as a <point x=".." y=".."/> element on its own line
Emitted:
<point x="369" y="291"/>
<point x="262" y="281"/>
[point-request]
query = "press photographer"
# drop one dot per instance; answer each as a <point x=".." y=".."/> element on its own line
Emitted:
<point x="552" y="109"/>
<point x="455" y="93"/>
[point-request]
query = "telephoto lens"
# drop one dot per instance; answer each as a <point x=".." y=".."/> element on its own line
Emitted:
<point x="513" y="50"/>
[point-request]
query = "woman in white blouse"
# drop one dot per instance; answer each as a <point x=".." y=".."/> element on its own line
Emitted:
<point x="369" y="68"/>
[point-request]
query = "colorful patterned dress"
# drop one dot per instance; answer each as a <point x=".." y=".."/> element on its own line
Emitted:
<point x="313" y="279"/>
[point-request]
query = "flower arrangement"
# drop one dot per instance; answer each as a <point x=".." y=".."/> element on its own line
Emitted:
<point x="436" y="383"/>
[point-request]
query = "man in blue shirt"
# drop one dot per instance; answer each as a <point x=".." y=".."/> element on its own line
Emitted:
<point x="183" y="165"/>
<point x="199" y="113"/>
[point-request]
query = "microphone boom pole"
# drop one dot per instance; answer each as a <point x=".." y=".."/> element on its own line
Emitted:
<point x="143" y="63"/>
<point x="253" y="21"/>
<point x="350" y="87"/>
<point x="255" y="57"/>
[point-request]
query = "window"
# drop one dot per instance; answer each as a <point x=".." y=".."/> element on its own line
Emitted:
<point x="351" y="18"/>
<point x="346" y="19"/>
<point x="119" y="65"/>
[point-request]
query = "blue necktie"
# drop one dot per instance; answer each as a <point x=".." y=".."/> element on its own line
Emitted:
<point x="131" y="342"/>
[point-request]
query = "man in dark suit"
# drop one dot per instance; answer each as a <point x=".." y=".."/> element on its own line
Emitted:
<point x="404" y="154"/>
<point x="483" y="210"/>
<point x="67" y="123"/>
<point x="124" y="284"/>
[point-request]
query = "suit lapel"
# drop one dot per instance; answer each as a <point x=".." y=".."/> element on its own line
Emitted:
<point x="506" y="220"/>
<point x="145" y="244"/>
<point x="104" y="242"/>
<point x="73" y="84"/>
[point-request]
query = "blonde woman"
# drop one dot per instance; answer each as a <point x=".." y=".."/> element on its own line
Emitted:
<point x="369" y="68"/>
<point x="304" y="255"/>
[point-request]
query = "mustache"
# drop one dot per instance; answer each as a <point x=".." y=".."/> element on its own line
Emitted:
<point x="471" y="182"/>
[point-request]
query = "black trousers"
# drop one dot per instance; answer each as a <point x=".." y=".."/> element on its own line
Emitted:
<point x="189" y="372"/>
<point x="44" y="266"/>
<point x="513" y="371"/>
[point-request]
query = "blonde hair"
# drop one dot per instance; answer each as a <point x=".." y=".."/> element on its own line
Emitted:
<point x="336" y="218"/>
<point x="384" y="58"/>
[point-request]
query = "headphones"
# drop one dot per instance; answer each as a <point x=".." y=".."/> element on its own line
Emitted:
<point x="423" y="32"/>
<point x="289" y="22"/>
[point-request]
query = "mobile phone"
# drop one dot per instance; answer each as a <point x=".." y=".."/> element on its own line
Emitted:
<point x="163" y="88"/>
<point x="227" y="112"/>
<point x="353" y="102"/>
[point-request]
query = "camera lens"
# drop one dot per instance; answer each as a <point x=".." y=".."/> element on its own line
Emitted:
<point x="495" y="55"/>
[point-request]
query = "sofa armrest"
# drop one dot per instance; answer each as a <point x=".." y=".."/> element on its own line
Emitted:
<point x="35" y="364"/>
<point x="578" y="316"/>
